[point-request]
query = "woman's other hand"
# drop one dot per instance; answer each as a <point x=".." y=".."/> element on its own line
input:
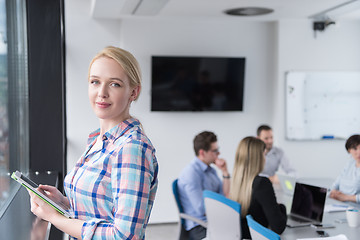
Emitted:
<point x="54" y="194"/>
<point x="40" y="208"/>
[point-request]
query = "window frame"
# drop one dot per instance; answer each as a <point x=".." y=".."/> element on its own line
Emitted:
<point x="46" y="91"/>
<point x="17" y="94"/>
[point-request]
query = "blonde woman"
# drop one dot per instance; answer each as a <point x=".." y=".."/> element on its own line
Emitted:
<point x="254" y="192"/>
<point x="112" y="187"/>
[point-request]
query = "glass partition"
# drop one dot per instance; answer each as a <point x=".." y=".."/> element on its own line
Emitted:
<point x="14" y="137"/>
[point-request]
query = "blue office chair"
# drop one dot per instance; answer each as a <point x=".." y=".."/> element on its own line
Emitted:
<point x="182" y="233"/>
<point x="223" y="217"/>
<point x="259" y="232"/>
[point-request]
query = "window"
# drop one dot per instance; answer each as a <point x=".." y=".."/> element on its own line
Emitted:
<point x="14" y="137"/>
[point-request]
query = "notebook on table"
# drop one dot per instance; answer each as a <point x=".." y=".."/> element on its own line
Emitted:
<point x="307" y="205"/>
<point x="287" y="183"/>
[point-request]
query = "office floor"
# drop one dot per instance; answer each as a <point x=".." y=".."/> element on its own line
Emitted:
<point x="166" y="231"/>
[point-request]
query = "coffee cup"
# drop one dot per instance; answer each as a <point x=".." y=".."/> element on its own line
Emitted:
<point x="353" y="217"/>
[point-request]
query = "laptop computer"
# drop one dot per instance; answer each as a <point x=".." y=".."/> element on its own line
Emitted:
<point x="307" y="205"/>
<point x="287" y="183"/>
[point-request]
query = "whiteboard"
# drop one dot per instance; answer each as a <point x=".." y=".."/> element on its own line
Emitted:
<point x="322" y="105"/>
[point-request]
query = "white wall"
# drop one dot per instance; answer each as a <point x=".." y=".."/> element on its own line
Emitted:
<point x="270" y="50"/>
<point x="335" y="49"/>
<point x="172" y="133"/>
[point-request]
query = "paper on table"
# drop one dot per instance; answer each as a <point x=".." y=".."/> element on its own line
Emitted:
<point x="337" y="237"/>
<point x="335" y="207"/>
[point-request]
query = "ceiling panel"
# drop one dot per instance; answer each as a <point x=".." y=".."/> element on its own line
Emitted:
<point x="283" y="9"/>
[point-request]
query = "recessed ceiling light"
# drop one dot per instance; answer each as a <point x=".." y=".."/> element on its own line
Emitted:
<point x="249" y="11"/>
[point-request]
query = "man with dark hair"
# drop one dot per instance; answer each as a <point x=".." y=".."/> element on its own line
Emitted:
<point x="346" y="187"/>
<point x="275" y="156"/>
<point x="199" y="176"/>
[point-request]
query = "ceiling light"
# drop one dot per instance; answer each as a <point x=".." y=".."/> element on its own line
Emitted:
<point x="249" y="11"/>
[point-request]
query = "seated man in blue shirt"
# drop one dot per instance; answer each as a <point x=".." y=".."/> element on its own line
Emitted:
<point x="275" y="156"/>
<point x="199" y="176"/>
<point x="346" y="187"/>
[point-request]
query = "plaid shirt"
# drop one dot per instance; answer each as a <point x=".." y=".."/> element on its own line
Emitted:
<point x="114" y="190"/>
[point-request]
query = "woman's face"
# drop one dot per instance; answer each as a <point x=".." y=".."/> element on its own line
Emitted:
<point x="109" y="91"/>
<point x="355" y="153"/>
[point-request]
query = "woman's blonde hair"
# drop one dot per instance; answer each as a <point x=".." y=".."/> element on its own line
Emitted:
<point x="126" y="60"/>
<point x="249" y="162"/>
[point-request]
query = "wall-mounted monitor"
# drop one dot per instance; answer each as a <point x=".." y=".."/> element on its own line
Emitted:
<point x="181" y="83"/>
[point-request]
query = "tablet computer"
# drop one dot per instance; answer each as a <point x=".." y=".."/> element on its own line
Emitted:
<point x="26" y="182"/>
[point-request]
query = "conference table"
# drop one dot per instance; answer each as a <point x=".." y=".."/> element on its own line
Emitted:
<point x="334" y="218"/>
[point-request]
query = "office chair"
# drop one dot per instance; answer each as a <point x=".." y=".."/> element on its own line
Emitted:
<point x="259" y="232"/>
<point x="223" y="217"/>
<point x="182" y="233"/>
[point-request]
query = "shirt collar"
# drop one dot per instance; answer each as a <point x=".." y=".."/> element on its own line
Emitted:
<point x="271" y="151"/>
<point x="116" y="132"/>
<point x="201" y="164"/>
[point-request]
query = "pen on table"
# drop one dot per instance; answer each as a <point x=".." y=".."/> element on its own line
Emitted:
<point x="339" y="205"/>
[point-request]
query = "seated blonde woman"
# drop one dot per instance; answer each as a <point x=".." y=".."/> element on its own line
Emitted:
<point x="255" y="193"/>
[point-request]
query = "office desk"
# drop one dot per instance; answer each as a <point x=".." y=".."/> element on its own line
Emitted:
<point x="307" y="232"/>
<point x="310" y="232"/>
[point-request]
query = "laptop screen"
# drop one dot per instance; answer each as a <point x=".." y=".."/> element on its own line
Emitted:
<point x="309" y="201"/>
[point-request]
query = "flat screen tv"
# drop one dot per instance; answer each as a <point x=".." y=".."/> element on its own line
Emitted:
<point x="197" y="83"/>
